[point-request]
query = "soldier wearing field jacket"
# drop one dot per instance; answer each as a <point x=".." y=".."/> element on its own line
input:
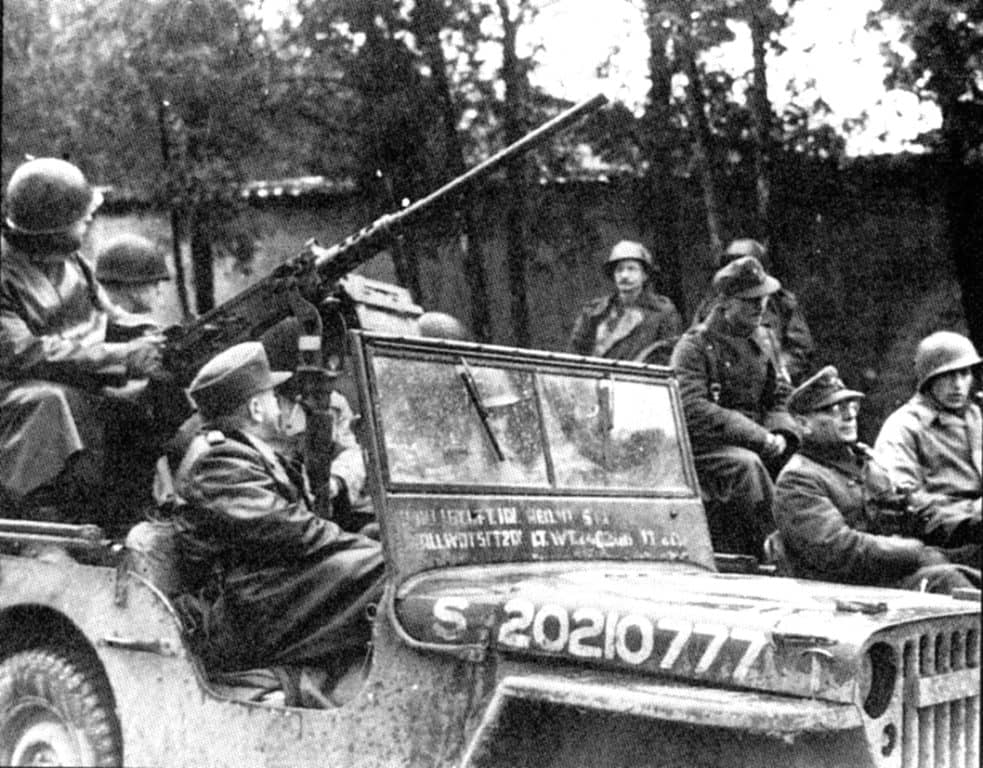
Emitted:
<point x="633" y="322"/>
<point x="734" y="403"/>
<point x="276" y="584"/>
<point x="933" y="447"/>
<point x="827" y="496"/>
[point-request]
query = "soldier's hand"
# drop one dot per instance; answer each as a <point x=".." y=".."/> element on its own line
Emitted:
<point x="144" y="357"/>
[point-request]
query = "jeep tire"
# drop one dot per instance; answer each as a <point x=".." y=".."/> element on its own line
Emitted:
<point x="56" y="709"/>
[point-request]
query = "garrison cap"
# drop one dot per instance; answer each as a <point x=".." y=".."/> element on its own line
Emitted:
<point x="233" y="376"/>
<point x="819" y="391"/>
<point x="744" y="278"/>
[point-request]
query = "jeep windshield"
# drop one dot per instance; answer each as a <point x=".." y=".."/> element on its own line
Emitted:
<point x="493" y="455"/>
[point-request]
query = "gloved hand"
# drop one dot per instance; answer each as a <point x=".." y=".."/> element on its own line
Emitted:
<point x="144" y="356"/>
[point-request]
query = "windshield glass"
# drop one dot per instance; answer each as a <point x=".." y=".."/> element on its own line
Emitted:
<point x="464" y="421"/>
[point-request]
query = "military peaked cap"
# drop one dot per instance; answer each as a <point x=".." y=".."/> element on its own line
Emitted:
<point x="820" y="391"/>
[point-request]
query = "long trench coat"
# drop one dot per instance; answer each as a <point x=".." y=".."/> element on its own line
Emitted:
<point x="645" y="332"/>
<point x="278" y="585"/>
<point x="730" y="388"/>
<point x="938" y="456"/>
<point x="56" y="323"/>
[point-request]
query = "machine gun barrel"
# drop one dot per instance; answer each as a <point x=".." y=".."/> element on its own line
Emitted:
<point x="332" y="261"/>
<point x="312" y="274"/>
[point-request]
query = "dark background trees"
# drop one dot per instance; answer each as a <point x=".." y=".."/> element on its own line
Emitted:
<point x="400" y="97"/>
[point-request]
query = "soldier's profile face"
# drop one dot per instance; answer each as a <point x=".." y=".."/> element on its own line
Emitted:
<point x="951" y="390"/>
<point x="834" y="424"/>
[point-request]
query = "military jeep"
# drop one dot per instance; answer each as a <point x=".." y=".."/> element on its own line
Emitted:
<point x="552" y="599"/>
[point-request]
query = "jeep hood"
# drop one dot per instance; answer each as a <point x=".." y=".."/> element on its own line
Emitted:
<point x="676" y="621"/>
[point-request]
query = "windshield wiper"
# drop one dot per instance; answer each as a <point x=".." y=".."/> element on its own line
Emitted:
<point x="469" y="384"/>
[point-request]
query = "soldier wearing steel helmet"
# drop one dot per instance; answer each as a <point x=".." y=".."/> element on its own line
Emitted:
<point x="828" y="523"/>
<point x="783" y="323"/>
<point x="59" y="335"/>
<point x="131" y="269"/>
<point x="932" y="448"/>
<point x="633" y="322"/>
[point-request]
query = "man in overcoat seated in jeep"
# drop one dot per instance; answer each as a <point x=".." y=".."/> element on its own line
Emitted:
<point x="276" y="584"/>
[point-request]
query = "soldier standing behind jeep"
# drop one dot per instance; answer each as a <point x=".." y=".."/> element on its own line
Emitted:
<point x="734" y="403"/>
<point x="634" y="322"/>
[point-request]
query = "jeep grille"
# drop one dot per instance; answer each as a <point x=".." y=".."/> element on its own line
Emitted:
<point x="941" y="709"/>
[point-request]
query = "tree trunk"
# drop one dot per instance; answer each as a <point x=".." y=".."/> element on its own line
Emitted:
<point x="700" y="127"/>
<point x="657" y="140"/>
<point x="201" y="263"/>
<point x="516" y="248"/>
<point x="428" y="27"/>
<point x="164" y="121"/>
<point x="964" y="212"/>
<point x="761" y="118"/>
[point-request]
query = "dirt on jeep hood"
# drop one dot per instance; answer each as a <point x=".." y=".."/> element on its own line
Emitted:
<point x="673" y="620"/>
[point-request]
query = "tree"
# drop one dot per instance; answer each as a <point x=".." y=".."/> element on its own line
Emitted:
<point x="947" y="40"/>
<point x="429" y="19"/>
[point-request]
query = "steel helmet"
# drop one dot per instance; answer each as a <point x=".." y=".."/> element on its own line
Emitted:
<point x="942" y="352"/>
<point x="496" y="388"/>
<point x="440" y="325"/>
<point x="46" y="196"/>
<point x="629" y="249"/>
<point x="131" y="259"/>
<point x="744" y="246"/>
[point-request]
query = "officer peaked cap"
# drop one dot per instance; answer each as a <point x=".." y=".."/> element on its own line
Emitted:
<point x="820" y="391"/>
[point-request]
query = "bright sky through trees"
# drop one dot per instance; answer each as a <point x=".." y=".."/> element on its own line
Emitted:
<point x="829" y="55"/>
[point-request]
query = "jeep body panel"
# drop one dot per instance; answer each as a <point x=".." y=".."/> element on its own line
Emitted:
<point x="565" y="612"/>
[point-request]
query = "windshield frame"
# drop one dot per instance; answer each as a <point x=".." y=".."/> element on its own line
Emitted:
<point x="535" y="363"/>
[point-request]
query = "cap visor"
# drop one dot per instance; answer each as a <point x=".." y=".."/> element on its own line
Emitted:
<point x="839" y="397"/>
<point x="278" y="377"/>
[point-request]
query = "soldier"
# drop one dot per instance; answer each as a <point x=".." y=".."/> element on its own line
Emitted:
<point x="131" y="269"/>
<point x="277" y="584"/>
<point x="735" y="408"/>
<point x="784" y="324"/>
<point x="828" y="527"/>
<point x="931" y="447"/>
<point x="634" y="322"/>
<point x="60" y="336"/>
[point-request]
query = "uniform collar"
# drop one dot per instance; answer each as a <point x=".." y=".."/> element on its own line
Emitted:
<point x="848" y="459"/>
